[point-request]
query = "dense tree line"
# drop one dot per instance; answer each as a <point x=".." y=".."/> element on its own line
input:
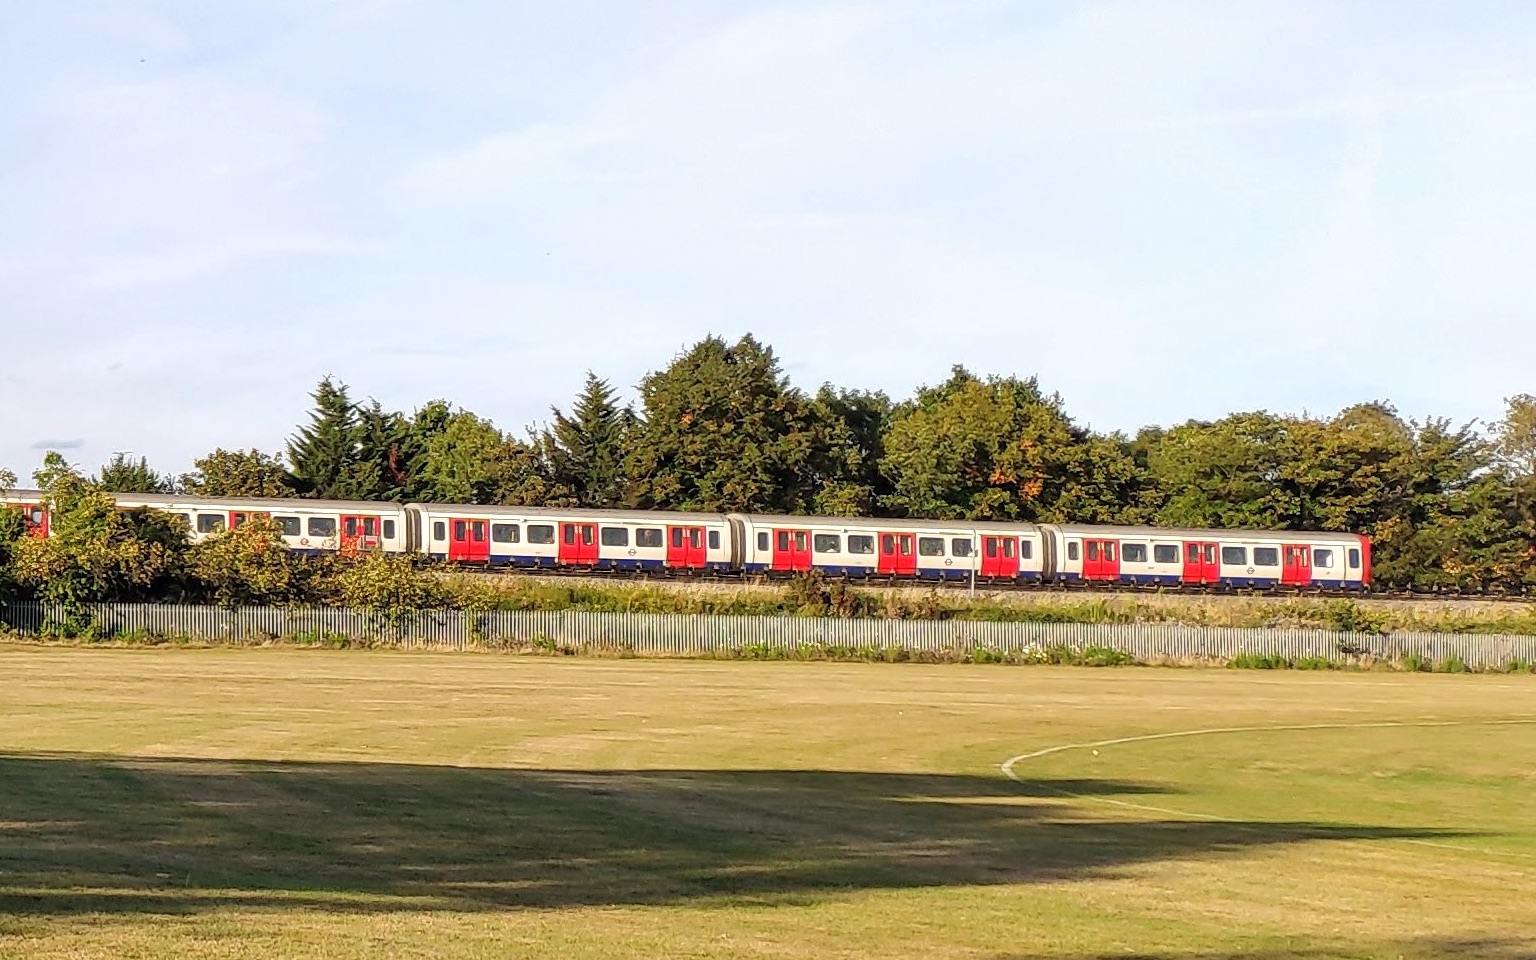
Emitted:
<point x="721" y="428"/>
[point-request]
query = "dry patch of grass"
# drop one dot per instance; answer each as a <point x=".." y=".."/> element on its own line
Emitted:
<point x="234" y="803"/>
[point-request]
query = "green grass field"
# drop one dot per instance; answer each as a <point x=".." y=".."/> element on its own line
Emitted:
<point x="338" y="804"/>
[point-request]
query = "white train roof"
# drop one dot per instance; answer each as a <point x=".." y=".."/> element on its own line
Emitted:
<point x="1176" y="533"/>
<point x="568" y="513"/>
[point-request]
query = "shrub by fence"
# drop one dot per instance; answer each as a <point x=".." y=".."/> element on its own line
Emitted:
<point x="699" y="635"/>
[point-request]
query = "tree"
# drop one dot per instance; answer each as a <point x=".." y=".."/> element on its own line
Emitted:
<point x="326" y="455"/>
<point x="383" y="467"/>
<point x="723" y="430"/>
<point x="471" y="461"/>
<point x="122" y="474"/>
<point x="95" y="552"/>
<point x="999" y="449"/>
<point x="585" y="450"/>
<point x="1514" y="438"/>
<point x="13" y="527"/>
<point x="855" y="423"/>
<point x="246" y="565"/>
<point x="238" y="473"/>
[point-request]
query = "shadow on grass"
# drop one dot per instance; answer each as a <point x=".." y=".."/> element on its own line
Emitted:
<point x="1422" y="949"/>
<point x="93" y="834"/>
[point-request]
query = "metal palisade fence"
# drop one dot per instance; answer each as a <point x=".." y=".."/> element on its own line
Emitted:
<point x="704" y="635"/>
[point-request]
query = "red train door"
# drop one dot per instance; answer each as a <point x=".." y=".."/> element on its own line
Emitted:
<point x="1297" y="571"/>
<point x="359" y="533"/>
<point x="467" y="542"/>
<point x="35" y="517"/>
<point x="1194" y="565"/>
<point x="1101" y="560"/>
<point x="999" y="556"/>
<point x="1200" y="563"/>
<point x="791" y="549"/>
<point x="898" y="556"/>
<point x="578" y="544"/>
<point x="685" y="548"/>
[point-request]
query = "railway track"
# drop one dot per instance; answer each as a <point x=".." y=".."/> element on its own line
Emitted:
<point x="1079" y="589"/>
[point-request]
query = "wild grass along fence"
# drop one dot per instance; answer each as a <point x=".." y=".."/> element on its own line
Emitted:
<point x="699" y="635"/>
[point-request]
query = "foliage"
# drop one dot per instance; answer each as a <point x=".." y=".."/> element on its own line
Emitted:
<point x="95" y="552"/>
<point x="238" y="473"/>
<point x="122" y="474"/>
<point x="999" y="449"/>
<point x="855" y="423"/>
<point x="247" y="565"/>
<point x="724" y="430"/>
<point x="1449" y="510"/>
<point x="470" y="461"/>
<point x="585" y="449"/>
<point x="347" y="452"/>
<point x="385" y="584"/>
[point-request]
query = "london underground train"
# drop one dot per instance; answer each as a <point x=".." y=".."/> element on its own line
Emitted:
<point x="866" y="548"/>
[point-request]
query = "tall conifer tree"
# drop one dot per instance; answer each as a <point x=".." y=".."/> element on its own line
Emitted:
<point x="325" y="454"/>
<point x="585" y="450"/>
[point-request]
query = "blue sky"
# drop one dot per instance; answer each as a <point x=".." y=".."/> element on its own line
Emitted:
<point x="1164" y="210"/>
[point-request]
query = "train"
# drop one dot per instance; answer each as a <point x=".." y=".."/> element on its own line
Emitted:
<point x="699" y="543"/>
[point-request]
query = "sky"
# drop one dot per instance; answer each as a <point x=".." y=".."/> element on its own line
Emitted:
<point x="1164" y="210"/>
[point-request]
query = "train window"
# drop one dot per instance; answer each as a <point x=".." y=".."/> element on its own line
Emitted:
<point x="541" y="533"/>
<point x="859" y="543"/>
<point x="677" y="536"/>
<point x="458" y="531"/>
<point x="905" y="543"/>
<point x="762" y="540"/>
<point x="1072" y="550"/>
<point x="321" y="526"/>
<point x="1234" y="556"/>
<point x="1165" y="553"/>
<point x="615" y="536"/>
<point x="477" y="531"/>
<point x="389" y="529"/>
<point x="1193" y="555"/>
<point x="1093" y="550"/>
<point x="801" y="541"/>
<point x="827" y="543"/>
<point x="1026" y="549"/>
<point x="1322" y="558"/>
<point x="185" y="519"/>
<point x="1266" y="556"/>
<point x="991" y="547"/>
<point x="1133" y="552"/>
<point x="505" y="533"/>
<point x="568" y="532"/>
<point x="714" y="539"/>
<point x="930" y="546"/>
<point x="960" y="547"/>
<point x="210" y="522"/>
<point x="289" y="525"/>
<point x="439" y="530"/>
<point x="1354" y="558"/>
<point x="650" y="537"/>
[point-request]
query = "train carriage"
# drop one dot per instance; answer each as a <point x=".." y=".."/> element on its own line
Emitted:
<point x="1152" y="556"/>
<point x="871" y="548"/>
<point x="574" y="538"/>
<point x="307" y="526"/>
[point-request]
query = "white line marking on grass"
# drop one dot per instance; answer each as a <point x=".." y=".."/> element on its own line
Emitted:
<point x="1008" y="765"/>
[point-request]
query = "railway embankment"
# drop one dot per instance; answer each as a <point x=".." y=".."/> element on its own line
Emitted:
<point x="814" y="597"/>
